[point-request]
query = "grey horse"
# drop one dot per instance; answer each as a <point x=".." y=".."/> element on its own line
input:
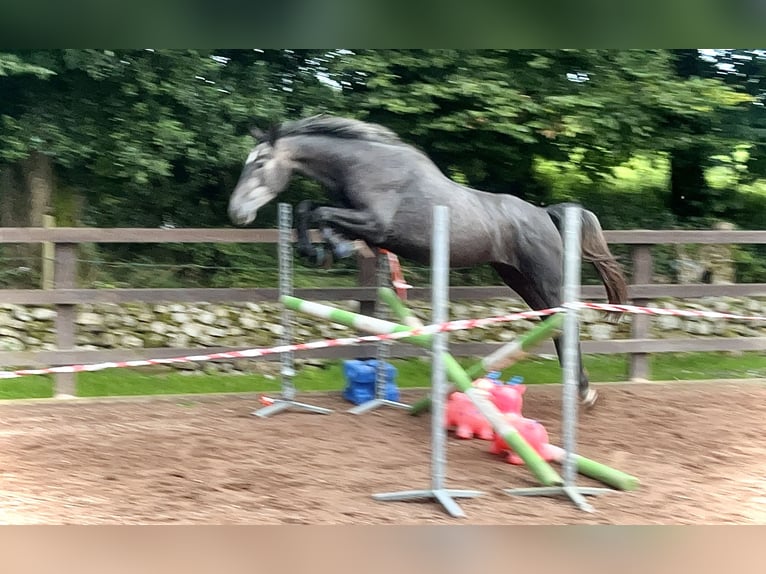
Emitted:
<point x="382" y="191"/>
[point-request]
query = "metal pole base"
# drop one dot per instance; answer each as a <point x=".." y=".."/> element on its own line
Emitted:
<point x="575" y="493"/>
<point x="374" y="404"/>
<point x="280" y="405"/>
<point x="443" y="496"/>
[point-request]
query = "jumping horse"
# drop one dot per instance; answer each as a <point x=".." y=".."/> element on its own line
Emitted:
<point x="382" y="191"/>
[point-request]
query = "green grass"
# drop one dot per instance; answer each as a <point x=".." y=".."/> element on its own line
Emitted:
<point x="411" y="373"/>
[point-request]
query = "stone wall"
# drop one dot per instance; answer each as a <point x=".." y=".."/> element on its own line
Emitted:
<point x="131" y="326"/>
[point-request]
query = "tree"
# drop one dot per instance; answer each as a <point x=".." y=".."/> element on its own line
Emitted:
<point x="20" y="207"/>
<point x="137" y="137"/>
<point x="485" y="115"/>
<point x="744" y="69"/>
<point x="152" y="137"/>
<point x="127" y="126"/>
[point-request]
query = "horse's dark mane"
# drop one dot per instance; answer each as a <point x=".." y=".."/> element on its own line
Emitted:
<point x="336" y="127"/>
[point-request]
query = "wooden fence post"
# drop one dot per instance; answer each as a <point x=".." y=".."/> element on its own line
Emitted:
<point x="642" y="274"/>
<point x="367" y="277"/>
<point x="48" y="255"/>
<point x="65" y="277"/>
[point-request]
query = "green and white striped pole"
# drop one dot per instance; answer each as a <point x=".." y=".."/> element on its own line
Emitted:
<point x="536" y="464"/>
<point x="517" y="350"/>
<point x="356" y="321"/>
<point x="611" y="477"/>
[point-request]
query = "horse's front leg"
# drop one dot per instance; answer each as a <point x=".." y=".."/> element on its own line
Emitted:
<point x="351" y="224"/>
<point x="328" y="220"/>
<point x="304" y="221"/>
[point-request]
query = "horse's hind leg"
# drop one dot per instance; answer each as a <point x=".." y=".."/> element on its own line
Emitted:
<point x="547" y="295"/>
<point x="588" y="395"/>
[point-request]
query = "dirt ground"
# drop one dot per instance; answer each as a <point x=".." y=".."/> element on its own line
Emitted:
<point x="698" y="449"/>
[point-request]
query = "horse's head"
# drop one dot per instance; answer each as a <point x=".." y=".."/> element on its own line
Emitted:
<point x="265" y="174"/>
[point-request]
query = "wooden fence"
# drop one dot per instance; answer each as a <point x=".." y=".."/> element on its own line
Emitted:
<point x="65" y="296"/>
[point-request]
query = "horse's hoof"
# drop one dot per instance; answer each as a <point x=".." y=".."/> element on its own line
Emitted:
<point x="590" y="398"/>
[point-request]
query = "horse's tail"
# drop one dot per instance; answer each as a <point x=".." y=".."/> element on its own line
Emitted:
<point x="595" y="250"/>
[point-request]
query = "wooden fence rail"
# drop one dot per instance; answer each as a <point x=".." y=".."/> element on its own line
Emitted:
<point x="65" y="295"/>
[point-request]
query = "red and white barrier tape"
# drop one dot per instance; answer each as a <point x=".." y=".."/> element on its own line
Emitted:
<point x="458" y="325"/>
<point x="635" y="310"/>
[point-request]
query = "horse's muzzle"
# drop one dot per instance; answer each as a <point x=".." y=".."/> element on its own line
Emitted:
<point x="239" y="216"/>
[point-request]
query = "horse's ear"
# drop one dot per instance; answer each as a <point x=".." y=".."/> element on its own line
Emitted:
<point x="257" y="134"/>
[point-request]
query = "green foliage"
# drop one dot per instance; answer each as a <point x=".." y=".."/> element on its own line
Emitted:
<point x="13" y="65"/>
<point x="592" y="108"/>
<point x="143" y="138"/>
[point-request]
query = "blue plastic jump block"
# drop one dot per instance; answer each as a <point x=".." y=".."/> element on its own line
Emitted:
<point x="360" y="381"/>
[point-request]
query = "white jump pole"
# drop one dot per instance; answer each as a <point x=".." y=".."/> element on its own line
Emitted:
<point x="439" y="300"/>
<point x="287" y="371"/>
<point x="572" y="235"/>
<point x="383" y="352"/>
